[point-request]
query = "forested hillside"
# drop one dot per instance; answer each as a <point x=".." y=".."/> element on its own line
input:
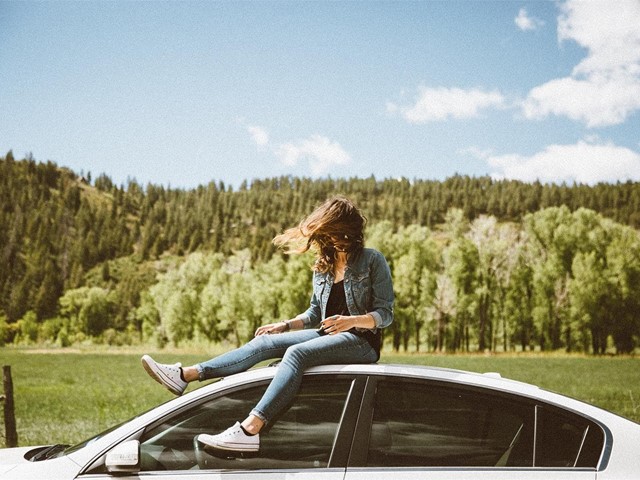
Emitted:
<point x="478" y="264"/>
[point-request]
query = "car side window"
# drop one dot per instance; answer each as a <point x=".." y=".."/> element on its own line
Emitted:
<point x="432" y="424"/>
<point x="566" y="440"/>
<point x="425" y="424"/>
<point x="301" y="437"/>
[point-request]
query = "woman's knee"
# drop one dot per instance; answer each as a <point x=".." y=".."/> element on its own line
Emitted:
<point x="259" y="344"/>
<point x="296" y="355"/>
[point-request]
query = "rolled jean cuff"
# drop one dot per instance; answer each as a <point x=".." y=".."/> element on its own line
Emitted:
<point x="200" y="370"/>
<point x="260" y="415"/>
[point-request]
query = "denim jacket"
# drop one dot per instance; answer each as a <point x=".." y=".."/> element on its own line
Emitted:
<point x="368" y="289"/>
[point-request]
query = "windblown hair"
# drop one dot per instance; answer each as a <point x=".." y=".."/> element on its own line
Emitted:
<point x="335" y="223"/>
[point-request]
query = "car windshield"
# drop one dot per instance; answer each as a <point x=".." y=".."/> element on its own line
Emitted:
<point x="89" y="441"/>
<point x="59" y="450"/>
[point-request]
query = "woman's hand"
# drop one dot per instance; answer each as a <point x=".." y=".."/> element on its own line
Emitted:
<point x="338" y="324"/>
<point x="272" y="328"/>
<point x="342" y="323"/>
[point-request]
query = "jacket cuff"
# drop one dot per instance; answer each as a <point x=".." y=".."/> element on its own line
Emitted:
<point x="306" y="320"/>
<point x="377" y="318"/>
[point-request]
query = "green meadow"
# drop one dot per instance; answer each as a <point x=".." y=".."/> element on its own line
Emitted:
<point x="67" y="395"/>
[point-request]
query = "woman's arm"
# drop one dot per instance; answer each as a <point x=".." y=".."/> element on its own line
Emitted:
<point x="382" y="297"/>
<point x="299" y="322"/>
<point x="296" y="323"/>
<point x="312" y="316"/>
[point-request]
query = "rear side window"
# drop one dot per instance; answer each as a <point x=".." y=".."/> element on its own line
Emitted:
<point x="566" y="440"/>
<point x="432" y="424"/>
<point x="415" y="424"/>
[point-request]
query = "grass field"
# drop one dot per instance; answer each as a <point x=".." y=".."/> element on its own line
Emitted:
<point x="65" y="396"/>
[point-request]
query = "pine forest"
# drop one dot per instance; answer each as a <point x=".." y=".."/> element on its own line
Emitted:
<point x="478" y="264"/>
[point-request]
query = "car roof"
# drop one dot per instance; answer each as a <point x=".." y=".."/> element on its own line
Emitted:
<point x="488" y="379"/>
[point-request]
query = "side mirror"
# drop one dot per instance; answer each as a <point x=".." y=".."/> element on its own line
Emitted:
<point x="124" y="458"/>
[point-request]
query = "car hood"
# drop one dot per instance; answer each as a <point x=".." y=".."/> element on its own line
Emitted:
<point x="14" y="466"/>
<point x="12" y="456"/>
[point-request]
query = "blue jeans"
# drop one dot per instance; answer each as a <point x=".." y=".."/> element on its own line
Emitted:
<point x="299" y="350"/>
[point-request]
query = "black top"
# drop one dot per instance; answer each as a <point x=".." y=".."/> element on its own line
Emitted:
<point x="337" y="305"/>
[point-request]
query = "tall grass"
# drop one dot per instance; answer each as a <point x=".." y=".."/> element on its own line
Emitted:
<point x="65" y="396"/>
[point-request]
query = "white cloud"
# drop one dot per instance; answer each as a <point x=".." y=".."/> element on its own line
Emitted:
<point x="610" y="31"/>
<point x="583" y="162"/>
<point x="259" y="135"/>
<point x="527" y="23"/>
<point x="438" y="104"/>
<point x="321" y="153"/>
<point x="604" y="88"/>
<point x="597" y="101"/>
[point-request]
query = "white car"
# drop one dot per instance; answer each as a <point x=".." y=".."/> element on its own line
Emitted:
<point x="359" y="422"/>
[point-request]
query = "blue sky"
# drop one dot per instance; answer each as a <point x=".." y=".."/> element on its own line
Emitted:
<point x="184" y="93"/>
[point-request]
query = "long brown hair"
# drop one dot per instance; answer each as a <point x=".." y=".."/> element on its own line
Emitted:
<point x="335" y="223"/>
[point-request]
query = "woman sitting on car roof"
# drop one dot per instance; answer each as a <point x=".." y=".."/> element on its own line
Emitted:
<point x="352" y="301"/>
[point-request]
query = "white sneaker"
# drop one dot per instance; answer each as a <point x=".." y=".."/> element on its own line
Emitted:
<point x="166" y="375"/>
<point x="232" y="439"/>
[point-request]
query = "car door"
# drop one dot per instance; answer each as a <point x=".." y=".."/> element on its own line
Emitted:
<point x="310" y="439"/>
<point x="417" y="429"/>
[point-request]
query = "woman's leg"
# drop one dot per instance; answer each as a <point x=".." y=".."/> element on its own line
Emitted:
<point x="321" y="350"/>
<point x="324" y="350"/>
<point x="176" y="378"/>
<point x="260" y="348"/>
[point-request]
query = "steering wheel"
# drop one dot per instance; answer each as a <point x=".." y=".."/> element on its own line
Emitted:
<point x="205" y="461"/>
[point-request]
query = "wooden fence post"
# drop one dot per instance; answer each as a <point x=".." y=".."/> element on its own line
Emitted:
<point x="11" y="434"/>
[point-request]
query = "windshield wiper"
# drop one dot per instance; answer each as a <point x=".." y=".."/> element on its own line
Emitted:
<point x="46" y="453"/>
